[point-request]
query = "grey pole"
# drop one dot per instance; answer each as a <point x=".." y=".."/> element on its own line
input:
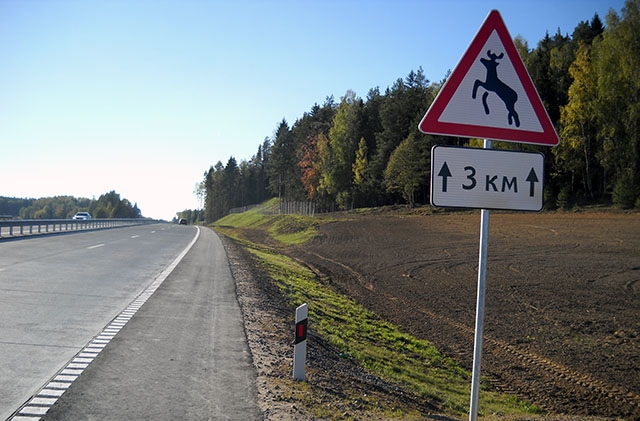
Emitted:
<point x="482" y="274"/>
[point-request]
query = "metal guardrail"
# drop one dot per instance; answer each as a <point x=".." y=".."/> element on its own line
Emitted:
<point x="21" y="227"/>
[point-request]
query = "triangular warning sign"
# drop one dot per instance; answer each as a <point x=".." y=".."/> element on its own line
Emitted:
<point x="490" y="94"/>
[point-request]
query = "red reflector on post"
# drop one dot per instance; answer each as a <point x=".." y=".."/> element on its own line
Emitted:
<point x="301" y="331"/>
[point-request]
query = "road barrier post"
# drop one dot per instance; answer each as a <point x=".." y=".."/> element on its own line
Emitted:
<point x="300" y="343"/>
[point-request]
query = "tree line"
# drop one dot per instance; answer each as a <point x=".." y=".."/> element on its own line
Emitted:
<point x="369" y="152"/>
<point x="108" y="205"/>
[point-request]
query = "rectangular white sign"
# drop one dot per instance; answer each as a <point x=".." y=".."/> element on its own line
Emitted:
<point x="486" y="178"/>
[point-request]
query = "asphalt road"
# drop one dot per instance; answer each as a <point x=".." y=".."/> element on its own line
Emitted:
<point x="183" y="356"/>
<point x="59" y="292"/>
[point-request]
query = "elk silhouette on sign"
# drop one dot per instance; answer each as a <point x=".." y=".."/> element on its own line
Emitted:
<point x="494" y="84"/>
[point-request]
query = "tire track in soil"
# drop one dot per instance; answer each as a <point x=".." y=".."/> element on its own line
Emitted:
<point x="590" y="389"/>
<point x="549" y="368"/>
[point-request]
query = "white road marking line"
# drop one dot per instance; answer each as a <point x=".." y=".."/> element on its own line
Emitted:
<point x="34" y="410"/>
<point x="64" y="378"/>
<point x="55" y="393"/>
<point x="44" y="401"/>
<point x="73" y="371"/>
<point x="95" y="247"/>
<point x="135" y="236"/>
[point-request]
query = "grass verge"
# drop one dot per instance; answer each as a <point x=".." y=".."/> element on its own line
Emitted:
<point x="376" y="345"/>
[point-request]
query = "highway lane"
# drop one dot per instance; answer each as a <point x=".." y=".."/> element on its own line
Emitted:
<point x="58" y="292"/>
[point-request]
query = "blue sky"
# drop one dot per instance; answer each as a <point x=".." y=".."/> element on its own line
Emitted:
<point x="142" y="97"/>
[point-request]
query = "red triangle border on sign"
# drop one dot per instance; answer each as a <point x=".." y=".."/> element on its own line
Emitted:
<point x="430" y="123"/>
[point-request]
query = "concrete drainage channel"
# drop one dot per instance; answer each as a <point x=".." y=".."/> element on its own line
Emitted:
<point x="39" y="404"/>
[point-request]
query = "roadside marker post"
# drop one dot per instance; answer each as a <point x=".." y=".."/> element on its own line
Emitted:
<point x="488" y="95"/>
<point x="300" y="342"/>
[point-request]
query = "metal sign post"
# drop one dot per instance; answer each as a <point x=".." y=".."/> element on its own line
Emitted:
<point x="482" y="275"/>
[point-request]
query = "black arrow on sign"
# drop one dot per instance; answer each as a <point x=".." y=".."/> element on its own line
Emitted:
<point x="532" y="178"/>
<point x="444" y="173"/>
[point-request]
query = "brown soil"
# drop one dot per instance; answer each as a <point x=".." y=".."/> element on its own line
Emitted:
<point x="562" y="322"/>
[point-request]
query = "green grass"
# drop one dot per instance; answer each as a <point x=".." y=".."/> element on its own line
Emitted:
<point x="293" y="229"/>
<point x="250" y="219"/>
<point x="286" y="229"/>
<point x="378" y="346"/>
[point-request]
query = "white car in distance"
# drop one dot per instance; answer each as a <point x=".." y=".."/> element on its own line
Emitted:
<point x="82" y="216"/>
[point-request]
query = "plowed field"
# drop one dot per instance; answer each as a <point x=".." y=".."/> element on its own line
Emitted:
<point x="562" y="322"/>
